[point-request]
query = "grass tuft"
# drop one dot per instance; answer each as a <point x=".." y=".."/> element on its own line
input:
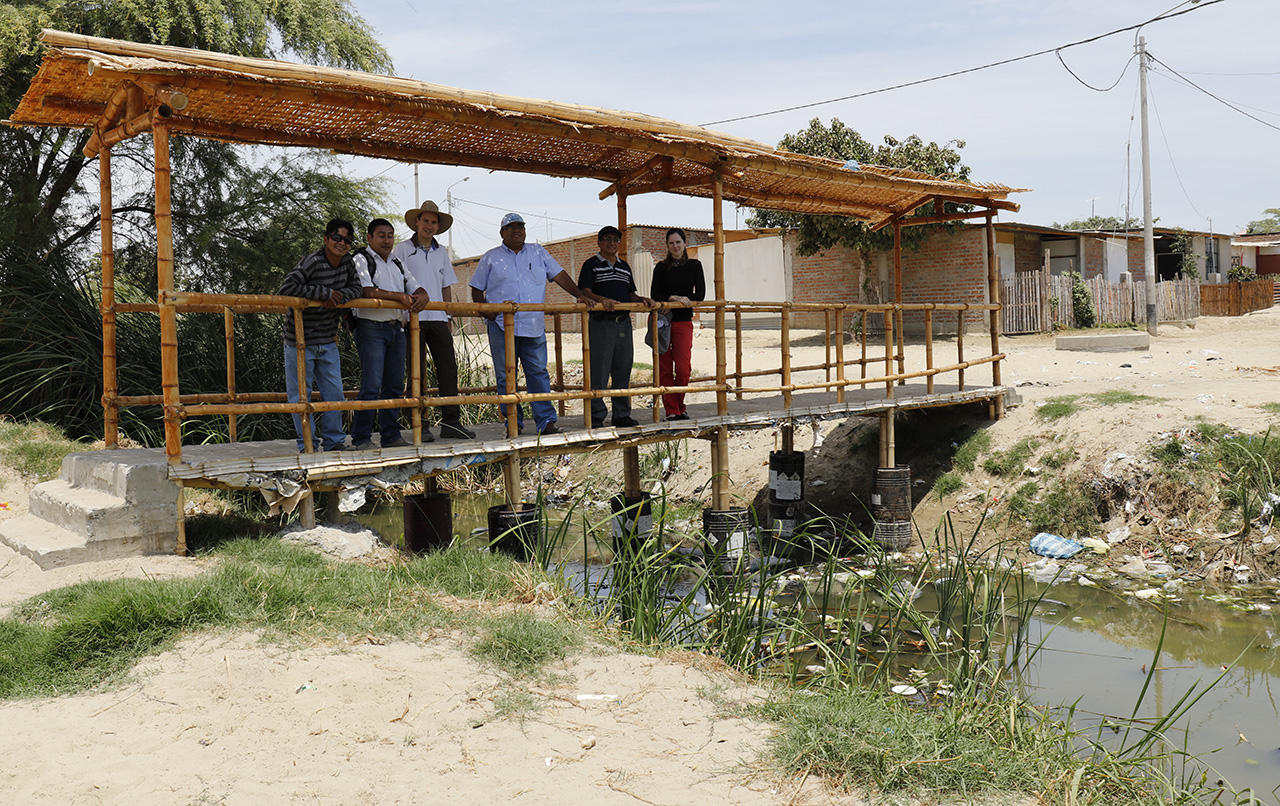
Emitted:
<point x="1012" y="462"/>
<point x="35" y="449"/>
<point x="947" y="484"/>
<point x="967" y="454"/>
<point x="521" y="645"/>
<point x="1055" y="408"/>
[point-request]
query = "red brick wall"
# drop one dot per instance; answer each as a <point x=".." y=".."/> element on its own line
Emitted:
<point x="1094" y="258"/>
<point x="949" y="268"/>
<point x="833" y="275"/>
<point x="1028" y="254"/>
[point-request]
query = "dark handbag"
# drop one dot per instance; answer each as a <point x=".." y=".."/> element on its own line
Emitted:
<point x="664" y="330"/>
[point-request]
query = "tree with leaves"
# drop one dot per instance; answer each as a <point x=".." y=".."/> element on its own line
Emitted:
<point x="1265" y="225"/>
<point x="241" y="215"/>
<point x="1100" y="223"/>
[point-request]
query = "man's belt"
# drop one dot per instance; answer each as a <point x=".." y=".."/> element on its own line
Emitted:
<point x="610" y="316"/>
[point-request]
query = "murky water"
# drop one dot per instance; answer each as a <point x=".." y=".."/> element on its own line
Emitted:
<point x="1098" y="647"/>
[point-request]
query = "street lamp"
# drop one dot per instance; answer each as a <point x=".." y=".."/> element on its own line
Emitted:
<point x="448" y="203"/>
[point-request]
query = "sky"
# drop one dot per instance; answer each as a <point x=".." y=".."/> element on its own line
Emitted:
<point x="1028" y="124"/>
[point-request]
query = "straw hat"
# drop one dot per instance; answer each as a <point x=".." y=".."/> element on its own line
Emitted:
<point x="411" y="216"/>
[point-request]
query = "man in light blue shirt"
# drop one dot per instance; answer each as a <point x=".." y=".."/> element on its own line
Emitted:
<point x="519" y="272"/>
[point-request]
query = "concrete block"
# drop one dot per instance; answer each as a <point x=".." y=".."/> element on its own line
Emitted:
<point x="81" y="510"/>
<point x="137" y="476"/>
<point x="1104" y="342"/>
<point x="52" y="546"/>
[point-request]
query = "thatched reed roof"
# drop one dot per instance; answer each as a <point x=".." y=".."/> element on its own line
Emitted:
<point x="242" y="100"/>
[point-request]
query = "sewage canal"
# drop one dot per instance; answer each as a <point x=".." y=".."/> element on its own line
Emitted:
<point x="1098" y="645"/>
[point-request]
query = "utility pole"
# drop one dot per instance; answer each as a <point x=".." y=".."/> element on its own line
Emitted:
<point x="1148" y="238"/>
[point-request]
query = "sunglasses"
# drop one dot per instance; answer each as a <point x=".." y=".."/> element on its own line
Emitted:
<point x="342" y="238"/>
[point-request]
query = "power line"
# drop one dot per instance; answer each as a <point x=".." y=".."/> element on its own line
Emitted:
<point x="1215" y="97"/>
<point x="955" y="73"/>
<point x="538" y="216"/>
<point x="1119" y="78"/>
<point x="1169" y="151"/>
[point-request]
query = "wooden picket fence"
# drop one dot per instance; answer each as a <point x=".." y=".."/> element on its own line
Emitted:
<point x="1237" y="299"/>
<point x="1026" y="309"/>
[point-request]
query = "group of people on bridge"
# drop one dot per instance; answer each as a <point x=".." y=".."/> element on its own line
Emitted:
<point x="419" y="270"/>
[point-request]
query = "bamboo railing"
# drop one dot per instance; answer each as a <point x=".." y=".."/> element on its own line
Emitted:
<point x="875" y="368"/>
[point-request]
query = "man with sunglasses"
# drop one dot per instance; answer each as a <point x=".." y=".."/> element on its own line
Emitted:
<point x="327" y="276"/>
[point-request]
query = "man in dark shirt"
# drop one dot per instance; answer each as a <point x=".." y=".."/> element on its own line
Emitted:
<point x="607" y="279"/>
<point x="328" y="276"/>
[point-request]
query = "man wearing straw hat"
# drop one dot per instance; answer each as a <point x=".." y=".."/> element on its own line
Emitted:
<point x="431" y="267"/>
<point x="327" y="276"/>
<point x="519" y="272"/>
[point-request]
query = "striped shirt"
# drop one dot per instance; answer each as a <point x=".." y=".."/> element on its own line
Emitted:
<point x="315" y="278"/>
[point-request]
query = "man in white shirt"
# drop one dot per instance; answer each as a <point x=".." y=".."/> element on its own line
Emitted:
<point x="519" y="272"/>
<point x="380" y="336"/>
<point x="431" y="267"/>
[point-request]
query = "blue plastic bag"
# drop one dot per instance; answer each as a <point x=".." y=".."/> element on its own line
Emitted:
<point x="1059" y="548"/>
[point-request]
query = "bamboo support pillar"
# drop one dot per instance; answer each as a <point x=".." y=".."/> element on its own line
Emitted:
<point x="622" y="223"/>
<point x="888" y="450"/>
<point x="897" y="294"/>
<point x="788" y="436"/>
<point x="863" y="339"/>
<point x="509" y="362"/>
<point x="840" y="355"/>
<point x="720" y="452"/>
<point x="586" y="368"/>
<point x="304" y="386"/>
<point x="826" y="316"/>
<point x="631" y="472"/>
<point x="786" y="355"/>
<point x="165" y="288"/>
<point x="657" y="379"/>
<point x="888" y="351"/>
<point x="737" y="349"/>
<point x="415" y="377"/>
<point x="993" y="283"/>
<point x="928" y="349"/>
<point x="960" y="346"/>
<point x="110" y="384"/>
<point x="229" y="333"/>
<point x="557" y="325"/>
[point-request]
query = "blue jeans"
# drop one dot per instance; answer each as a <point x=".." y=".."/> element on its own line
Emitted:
<point x="381" y="346"/>
<point x="531" y="352"/>
<point x="324" y="372"/>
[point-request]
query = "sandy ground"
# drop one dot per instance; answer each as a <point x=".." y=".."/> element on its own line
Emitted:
<point x="228" y="719"/>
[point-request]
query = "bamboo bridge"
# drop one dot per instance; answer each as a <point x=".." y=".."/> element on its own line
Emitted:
<point x="120" y="90"/>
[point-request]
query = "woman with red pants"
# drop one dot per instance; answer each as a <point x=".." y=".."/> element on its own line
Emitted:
<point x="677" y="278"/>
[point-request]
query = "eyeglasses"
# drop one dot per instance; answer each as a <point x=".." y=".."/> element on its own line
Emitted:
<point x="610" y="239"/>
<point x="347" y="239"/>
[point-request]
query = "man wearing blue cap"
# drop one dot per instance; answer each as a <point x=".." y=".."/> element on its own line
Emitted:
<point x="519" y="272"/>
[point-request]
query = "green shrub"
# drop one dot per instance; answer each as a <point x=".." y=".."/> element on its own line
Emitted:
<point x="967" y="454"/>
<point x="1055" y="408"/>
<point x="1013" y="462"/>
<point x="1081" y="302"/>
<point x="947" y="484"/>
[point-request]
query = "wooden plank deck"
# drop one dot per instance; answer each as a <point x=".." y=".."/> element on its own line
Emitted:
<point x="236" y="464"/>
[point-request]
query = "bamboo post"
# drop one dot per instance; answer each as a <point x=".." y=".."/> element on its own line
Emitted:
<point x="304" y="388"/>
<point x="840" y="355"/>
<point x="657" y="379"/>
<point x="631" y="472"/>
<point x="960" y="346"/>
<point x="720" y="469"/>
<point x="786" y="355"/>
<point x="557" y="326"/>
<point x="180" y="547"/>
<point x="863" y="362"/>
<point x="928" y="349"/>
<point x="110" y="384"/>
<point x="737" y="349"/>
<point x="622" y="223"/>
<point x="164" y="285"/>
<point x="888" y="448"/>
<point x="307" y="510"/>
<point x="415" y="377"/>
<point x="826" y="332"/>
<point x="993" y="283"/>
<point x="229" y="333"/>
<point x="585" y="318"/>
<point x="509" y="344"/>
<point x="897" y="293"/>
<point x="788" y="436"/>
<point x="888" y="351"/>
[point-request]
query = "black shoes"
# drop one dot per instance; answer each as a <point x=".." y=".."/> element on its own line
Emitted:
<point x="550" y="428"/>
<point x="625" y="422"/>
<point x="456" y="431"/>
<point x="675" y="417"/>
